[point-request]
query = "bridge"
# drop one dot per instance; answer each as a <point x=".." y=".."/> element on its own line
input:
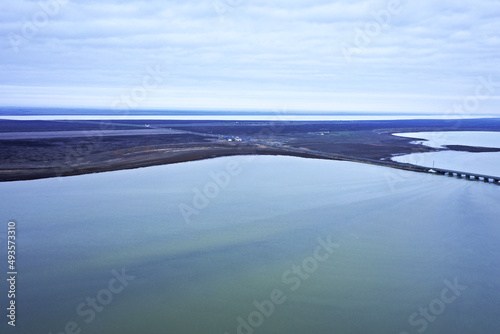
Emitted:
<point x="466" y="175"/>
<point x="296" y="151"/>
<point x="385" y="163"/>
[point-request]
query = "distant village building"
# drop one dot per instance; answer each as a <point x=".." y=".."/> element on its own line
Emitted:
<point x="234" y="139"/>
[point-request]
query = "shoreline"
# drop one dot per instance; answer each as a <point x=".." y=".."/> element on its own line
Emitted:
<point x="142" y="160"/>
<point x="33" y="150"/>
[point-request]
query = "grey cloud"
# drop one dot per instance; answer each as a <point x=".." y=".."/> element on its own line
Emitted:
<point x="430" y="48"/>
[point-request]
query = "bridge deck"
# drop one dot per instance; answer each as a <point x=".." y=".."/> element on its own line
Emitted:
<point x="385" y="163"/>
<point x="444" y="171"/>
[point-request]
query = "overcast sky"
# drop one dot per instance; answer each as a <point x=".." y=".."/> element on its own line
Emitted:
<point x="311" y="55"/>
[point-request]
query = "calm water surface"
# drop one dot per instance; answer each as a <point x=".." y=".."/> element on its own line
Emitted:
<point x="283" y="245"/>
<point x="487" y="163"/>
<point x="438" y="139"/>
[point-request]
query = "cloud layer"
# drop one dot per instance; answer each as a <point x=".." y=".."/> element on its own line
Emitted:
<point x="297" y="54"/>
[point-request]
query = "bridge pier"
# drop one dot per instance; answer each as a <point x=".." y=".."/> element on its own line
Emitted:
<point x="466" y="175"/>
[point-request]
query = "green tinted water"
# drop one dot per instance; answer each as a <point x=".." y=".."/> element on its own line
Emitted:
<point x="285" y="245"/>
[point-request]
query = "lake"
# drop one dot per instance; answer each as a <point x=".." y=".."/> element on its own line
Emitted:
<point x="487" y="163"/>
<point x="439" y="139"/>
<point x="255" y="245"/>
